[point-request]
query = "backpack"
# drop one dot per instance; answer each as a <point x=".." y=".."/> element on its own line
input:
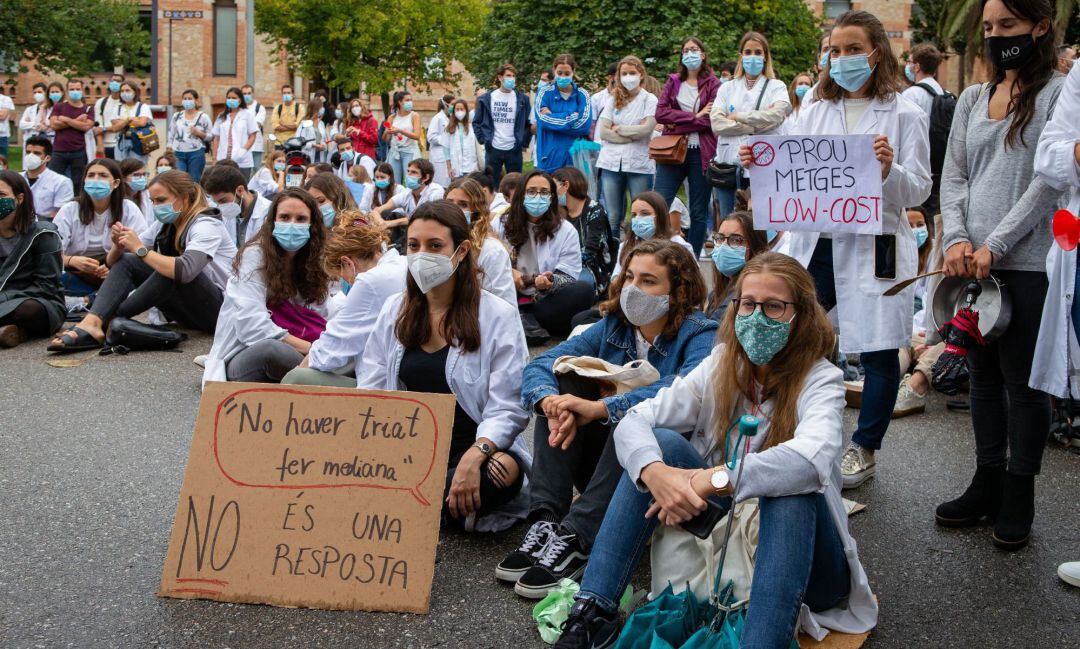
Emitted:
<point x="941" y="117"/>
<point x="144" y="139"/>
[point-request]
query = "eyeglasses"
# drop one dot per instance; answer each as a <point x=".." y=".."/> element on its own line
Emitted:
<point x="533" y="193"/>
<point x="773" y="309"/>
<point x="691" y="49"/>
<point x="734" y="240"/>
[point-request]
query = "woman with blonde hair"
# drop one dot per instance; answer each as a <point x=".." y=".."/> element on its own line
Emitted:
<point x="492" y="256"/>
<point x="771" y="364"/>
<point x="270" y="178"/>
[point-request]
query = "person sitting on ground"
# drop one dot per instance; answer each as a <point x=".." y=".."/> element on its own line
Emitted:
<point x="508" y="186"/>
<point x="84" y="226"/>
<point x="679" y="448"/>
<point x="546" y="256"/>
<point x="165" y="162"/>
<point x="135" y="180"/>
<point x="649" y="219"/>
<point x="332" y="196"/>
<point x="31" y="296"/>
<point x="359" y="183"/>
<point x="486" y="178"/>
<point x="594" y="233"/>
<point x="178" y="264"/>
<point x="446" y="335"/>
<point x="346" y="158"/>
<point x="51" y="190"/>
<point x="370" y="276"/>
<point x="652" y="315"/>
<point x="270" y="177"/>
<point x="735" y="243"/>
<point x="492" y="256"/>
<point x="275" y="301"/>
<point x="242" y="210"/>
<point x="421" y="189"/>
<point x="385" y="189"/>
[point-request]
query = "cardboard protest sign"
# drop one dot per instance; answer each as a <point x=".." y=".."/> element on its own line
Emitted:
<point x="314" y="497"/>
<point x="818" y="183"/>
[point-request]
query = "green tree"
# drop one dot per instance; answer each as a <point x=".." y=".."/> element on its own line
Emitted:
<point x="63" y="36"/>
<point x="530" y="34"/>
<point x="378" y="43"/>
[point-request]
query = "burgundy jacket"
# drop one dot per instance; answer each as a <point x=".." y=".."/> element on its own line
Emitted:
<point x="677" y="121"/>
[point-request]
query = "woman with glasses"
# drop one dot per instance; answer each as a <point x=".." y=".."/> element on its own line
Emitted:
<point x="681" y="448"/>
<point x="735" y="243"/>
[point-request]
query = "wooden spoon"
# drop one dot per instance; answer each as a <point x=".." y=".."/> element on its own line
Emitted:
<point x="896" y="288"/>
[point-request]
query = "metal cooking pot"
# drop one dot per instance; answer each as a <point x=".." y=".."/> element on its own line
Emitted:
<point x="985" y="296"/>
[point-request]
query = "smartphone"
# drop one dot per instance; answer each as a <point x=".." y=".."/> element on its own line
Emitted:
<point x="702" y="525"/>
<point x="885" y="256"/>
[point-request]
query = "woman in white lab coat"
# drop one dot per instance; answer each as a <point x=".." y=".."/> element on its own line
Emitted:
<point x="438" y="152"/>
<point x="234" y="132"/>
<point x="859" y="93"/>
<point x="445" y="334"/>
<point x="460" y="140"/>
<point x="492" y="255"/>
<point x="35" y="119"/>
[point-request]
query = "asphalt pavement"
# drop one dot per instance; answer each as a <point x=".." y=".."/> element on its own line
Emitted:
<point x="92" y="457"/>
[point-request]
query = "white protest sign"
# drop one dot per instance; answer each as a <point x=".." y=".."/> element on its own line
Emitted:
<point x="816" y="183"/>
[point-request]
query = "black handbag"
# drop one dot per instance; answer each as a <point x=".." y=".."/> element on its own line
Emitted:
<point x="722" y="175"/>
<point x="126" y="335"/>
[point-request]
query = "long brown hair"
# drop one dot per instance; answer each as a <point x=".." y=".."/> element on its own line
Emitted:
<point x="302" y="274"/>
<point x="885" y="80"/>
<point x="663" y="224"/>
<point x="705" y="69"/>
<point x="516" y="219"/>
<point x="810" y="340"/>
<point x="451" y="127"/>
<point x="116" y="198"/>
<point x="756" y="242"/>
<point x="478" y="205"/>
<point x="181" y="185"/>
<point x="687" y="285"/>
<point x="621" y="94"/>
<point x="461" y="324"/>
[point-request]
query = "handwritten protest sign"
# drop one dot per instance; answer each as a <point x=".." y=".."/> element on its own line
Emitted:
<point x="820" y="183"/>
<point x="315" y="497"/>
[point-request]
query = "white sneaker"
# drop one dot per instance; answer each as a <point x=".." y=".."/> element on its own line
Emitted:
<point x="908" y="401"/>
<point x="1070" y="573"/>
<point x="200" y="360"/>
<point x="857" y="465"/>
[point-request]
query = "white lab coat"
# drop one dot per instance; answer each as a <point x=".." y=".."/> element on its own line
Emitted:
<point x="461" y="151"/>
<point x="51" y="191"/>
<point x="494" y="260"/>
<point x="79" y="239"/>
<point x="244" y="319"/>
<point x="254" y="224"/>
<point x="688" y="406"/>
<point x="242" y="126"/>
<point x="1056" y="363"/>
<point x="562" y="252"/>
<point x="438" y="153"/>
<point x="369" y="196"/>
<point x="30" y="125"/>
<point x="348" y="330"/>
<point x="869" y="321"/>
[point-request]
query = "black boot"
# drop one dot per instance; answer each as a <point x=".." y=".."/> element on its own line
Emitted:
<point x="1012" y="529"/>
<point x="982" y="498"/>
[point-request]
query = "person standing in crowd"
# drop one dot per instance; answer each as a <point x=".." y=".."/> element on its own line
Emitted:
<point x="7" y="109"/>
<point x="921" y="70"/>
<point x="624" y="127"/>
<point x="735" y="243"/>
<point x="598" y="99"/>
<point x="243" y="211"/>
<point x="136" y="179"/>
<point x="1066" y="58"/>
<point x="594" y="231"/>
<point x="859" y="93"/>
<point x="445" y="334"/>
<point x="402" y="134"/>
<point x="286" y="116"/>
<point x="270" y="178"/>
<point x="438" y="152"/>
<point x="683" y="109"/>
<point x="680" y="450"/>
<point x="189" y="133"/>
<point x="502" y="123"/>
<point x="995" y="211"/>
<point x="258" y="111"/>
<point x="107" y="111"/>
<point x="132" y="114"/>
<point x="312" y="132"/>
<point x="31" y="297"/>
<point x="179" y="264"/>
<point x="362" y="129"/>
<point x="562" y="114"/>
<point x="800" y="85"/>
<point x="459" y="140"/>
<point x="71" y="119"/>
<point x="35" y="119"/>
<point x="754" y="103"/>
<point x="331" y="195"/>
<point x="370" y="276"/>
<point x="385" y="189"/>
<point x="491" y="255"/>
<point x="275" y="301"/>
<point x="235" y="132"/>
<point x="51" y="190"/>
<point x="652" y="315"/>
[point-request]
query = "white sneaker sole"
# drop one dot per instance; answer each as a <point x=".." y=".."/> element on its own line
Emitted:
<point x="541" y="592"/>
<point x="914" y="410"/>
<point x="852" y="481"/>
<point x="502" y="574"/>
<point x="1072" y="580"/>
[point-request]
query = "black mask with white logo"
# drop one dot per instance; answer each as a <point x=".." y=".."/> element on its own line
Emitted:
<point x="1009" y="52"/>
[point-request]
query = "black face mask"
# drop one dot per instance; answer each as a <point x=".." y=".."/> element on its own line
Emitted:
<point x="1009" y="52"/>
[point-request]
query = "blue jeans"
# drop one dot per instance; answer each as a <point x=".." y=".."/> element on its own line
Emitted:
<point x="668" y="180"/>
<point x="193" y="162"/>
<point x="75" y="286"/>
<point x="399" y="160"/>
<point x="615" y="185"/>
<point x="126" y="149"/>
<point x="502" y="162"/>
<point x="4" y="146"/>
<point x="882" y="367"/>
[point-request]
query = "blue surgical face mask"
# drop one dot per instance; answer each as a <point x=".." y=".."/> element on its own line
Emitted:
<point x="75" y="95"/>
<point x="114" y="86"/>
<point x="801" y="90"/>
<point x="412" y="182"/>
<point x="292" y="236"/>
<point x="643" y="226"/>
<point x="383" y="183"/>
<point x="753" y="64"/>
<point x="345" y="286"/>
<point x="537" y="206"/>
<point x="97" y="188"/>
<point x="921" y="235"/>
<point x="188" y="104"/>
<point x="328" y="214"/>
<point x="232" y="104"/>
<point x="56" y="96"/>
<point x="407" y="105"/>
<point x="851" y="72"/>
<point x="137" y="183"/>
<point x="564" y="82"/>
<point x="770" y="235"/>
<point x="761" y="337"/>
<point x="562" y="199"/>
<point x="692" y="60"/>
<point x="286" y="97"/>
<point x="165" y="213"/>
<point x="509" y="83"/>
<point x="729" y="260"/>
<point x="347" y="156"/>
<point x="823" y="60"/>
<point x="279" y="166"/>
<point x="909" y="73"/>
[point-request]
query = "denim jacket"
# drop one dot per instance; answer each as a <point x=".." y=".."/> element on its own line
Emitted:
<point x="612" y="340"/>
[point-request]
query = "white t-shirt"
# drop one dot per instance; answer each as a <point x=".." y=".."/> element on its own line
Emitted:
<point x="5" y="102"/>
<point x="240" y="126"/>
<point x="632" y="157"/>
<point x="503" y="109"/>
<point x="105" y="111"/>
<point x="920" y="97"/>
<point x="407" y="202"/>
<point x="93" y="238"/>
<point x="677" y="206"/>
<point x="688" y="101"/>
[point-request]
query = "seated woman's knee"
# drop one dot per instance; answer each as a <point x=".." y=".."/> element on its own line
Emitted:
<point x="503" y="469"/>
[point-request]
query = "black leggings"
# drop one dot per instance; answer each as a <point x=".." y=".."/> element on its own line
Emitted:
<point x="132" y="287"/>
<point x="555" y="310"/>
<point x="31" y="317"/>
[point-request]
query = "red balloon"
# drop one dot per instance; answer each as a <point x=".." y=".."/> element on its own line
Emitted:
<point x="1066" y="229"/>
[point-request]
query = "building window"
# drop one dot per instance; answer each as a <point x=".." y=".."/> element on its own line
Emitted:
<point x="833" y="8"/>
<point x="225" y="29"/>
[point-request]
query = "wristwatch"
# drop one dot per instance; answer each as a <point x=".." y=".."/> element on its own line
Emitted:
<point x="485" y="448"/>
<point x="719" y="481"/>
<point x="142" y="252"/>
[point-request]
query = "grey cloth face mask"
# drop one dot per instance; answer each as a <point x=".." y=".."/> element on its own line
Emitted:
<point x="641" y="308"/>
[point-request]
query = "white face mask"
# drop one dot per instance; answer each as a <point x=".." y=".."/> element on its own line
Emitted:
<point x="229" y="210"/>
<point x="631" y="81"/>
<point x="460" y="114"/>
<point x="430" y="269"/>
<point x="39" y="97"/>
<point x="356" y="111"/>
<point x="31" y="161"/>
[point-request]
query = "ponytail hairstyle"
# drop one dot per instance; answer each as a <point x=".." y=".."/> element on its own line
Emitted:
<point x="116" y="198"/>
<point x="621" y="94"/>
<point x="181" y="185"/>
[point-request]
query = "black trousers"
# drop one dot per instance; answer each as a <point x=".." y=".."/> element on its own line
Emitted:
<point x="71" y="164"/>
<point x="502" y="162"/>
<point x="31" y="317"/>
<point x="132" y="287"/>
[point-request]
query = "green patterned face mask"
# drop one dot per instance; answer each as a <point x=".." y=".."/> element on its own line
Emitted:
<point x="761" y="337"/>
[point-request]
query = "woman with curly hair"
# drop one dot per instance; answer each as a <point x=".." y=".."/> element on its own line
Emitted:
<point x="275" y="302"/>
